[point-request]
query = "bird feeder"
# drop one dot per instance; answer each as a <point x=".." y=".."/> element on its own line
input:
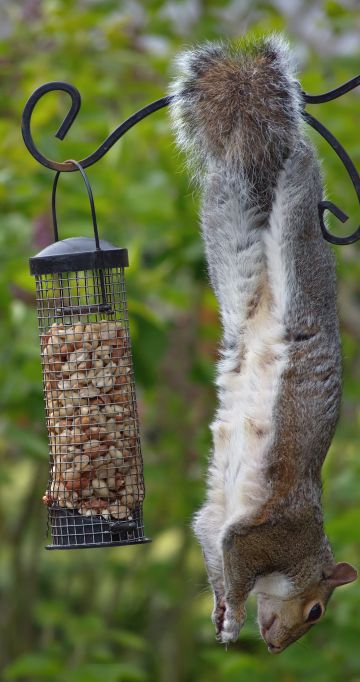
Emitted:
<point x="96" y="486"/>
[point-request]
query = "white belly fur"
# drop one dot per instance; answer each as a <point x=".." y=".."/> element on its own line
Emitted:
<point x="240" y="452"/>
<point x="244" y="427"/>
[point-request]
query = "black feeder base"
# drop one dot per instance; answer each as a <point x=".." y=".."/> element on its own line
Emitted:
<point x="71" y="530"/>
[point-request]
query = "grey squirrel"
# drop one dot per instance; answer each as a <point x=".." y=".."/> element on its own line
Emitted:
<point x="236" y="112"/>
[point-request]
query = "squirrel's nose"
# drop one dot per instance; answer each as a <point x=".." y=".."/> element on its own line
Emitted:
<point x="273" y="649"/>
<point x="266" y="626"/>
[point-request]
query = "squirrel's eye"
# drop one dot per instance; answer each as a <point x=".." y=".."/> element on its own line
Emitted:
<point x="314" y="613"/>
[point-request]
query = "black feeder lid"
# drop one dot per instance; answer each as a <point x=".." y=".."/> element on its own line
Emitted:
<point x="77" y="253"/>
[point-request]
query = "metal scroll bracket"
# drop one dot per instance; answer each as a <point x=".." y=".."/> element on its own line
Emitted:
<point x="68" y="166"/>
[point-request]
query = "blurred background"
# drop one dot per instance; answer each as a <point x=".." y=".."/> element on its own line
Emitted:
<point x="143" y="613"/>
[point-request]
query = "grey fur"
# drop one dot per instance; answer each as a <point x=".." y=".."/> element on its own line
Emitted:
<point x="237" y="113"/>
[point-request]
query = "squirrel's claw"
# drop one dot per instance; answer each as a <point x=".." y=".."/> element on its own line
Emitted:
<point x="218" y="616"/>
<point x="231" y="625"/>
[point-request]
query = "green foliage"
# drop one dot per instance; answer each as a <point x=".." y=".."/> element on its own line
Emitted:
<point x="137" y="614"/>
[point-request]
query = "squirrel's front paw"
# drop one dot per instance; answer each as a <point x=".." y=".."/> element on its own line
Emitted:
<point x="218" y="615"/>
<point x="232" y="624"/>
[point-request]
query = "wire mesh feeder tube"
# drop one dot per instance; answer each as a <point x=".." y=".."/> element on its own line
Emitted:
<point x="96" y="485"/>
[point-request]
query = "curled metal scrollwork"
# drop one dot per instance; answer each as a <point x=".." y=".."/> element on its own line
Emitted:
<point x="70" y="117"/>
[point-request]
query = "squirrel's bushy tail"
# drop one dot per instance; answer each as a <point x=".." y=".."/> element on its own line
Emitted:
<point x="237" y="104"/>
<point x="236" y="112"/>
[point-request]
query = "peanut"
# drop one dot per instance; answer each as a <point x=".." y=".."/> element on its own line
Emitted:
<point x="127" y="500"/>
<point x="71" y="475"/>
<point x="86" y="492"/>
<point x="100" y="488"/>
<point x="119" y="511"/>
<point x="89" y="392"/>
<point x="75" y="484"/>
<point x="81" y="462"/>
<point x="92" y="419"/>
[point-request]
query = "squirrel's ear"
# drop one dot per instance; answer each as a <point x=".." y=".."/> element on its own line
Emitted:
<point x="342" y="574"/>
